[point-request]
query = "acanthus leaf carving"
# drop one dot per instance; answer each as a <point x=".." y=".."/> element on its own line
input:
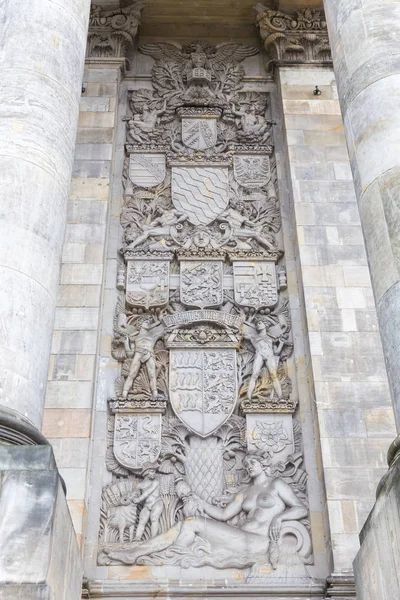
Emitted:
<point x="112" y="32"/>
<point x="300" y="38"/>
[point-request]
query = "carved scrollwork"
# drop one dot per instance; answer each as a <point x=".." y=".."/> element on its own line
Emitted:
<point x="112" y="32"/>
<point x="302" y="38"/>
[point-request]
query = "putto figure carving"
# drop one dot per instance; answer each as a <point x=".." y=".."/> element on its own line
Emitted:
<point x="162" y="226"/>
<point x="253" y="127"/>
<point x="266" y="503"/>
<point x="148" y="492"/>
<point x="143" y="124"/>
<point x="242" y="227"/>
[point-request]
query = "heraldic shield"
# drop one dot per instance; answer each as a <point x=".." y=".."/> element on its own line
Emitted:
<point x="200" y="133"/>
<point x="147" y="283"/>
<point x="137" y="439"/>
<point x="255" y="283"/>
<point x="251" y="170"/>
<point x="201" y="283"/>
<point x="203" y="387"/>
<point x="147" y="170"/>
<point x="201" y="193"/>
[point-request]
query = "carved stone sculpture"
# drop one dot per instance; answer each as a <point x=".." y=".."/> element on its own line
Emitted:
<point x="267" y="349"/>
<point x="112" y="32"/>
<point x="201" y="435"/>
<point x="148" y="492"/>
<point x="141" y="350"/>
<point x="294" y="39"/>
<point x="266" y="503"/>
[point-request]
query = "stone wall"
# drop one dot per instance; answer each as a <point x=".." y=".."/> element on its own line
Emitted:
<point x="72" y="372"/>
<point x="351" y="392"/>
<point x="337" y="348"/>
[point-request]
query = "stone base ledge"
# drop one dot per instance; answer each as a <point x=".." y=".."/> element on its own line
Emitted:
<point x="341" y="586"/>
<point x="26" y="592"/>
<point x="279" y="590"/>
<point x="40" y="557"/>
<point x="376" y="566"/>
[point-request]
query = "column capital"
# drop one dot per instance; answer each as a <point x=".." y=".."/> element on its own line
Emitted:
<point x="112" y="32"/>
<point x="292" y="39"/>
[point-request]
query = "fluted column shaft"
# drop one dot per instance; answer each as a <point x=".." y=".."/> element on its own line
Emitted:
<point x="365" y="41"/>
<point x="42" y="53"/>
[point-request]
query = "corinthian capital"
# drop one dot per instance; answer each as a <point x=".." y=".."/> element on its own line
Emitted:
<point x="112" y="32"/>
<point x="293" y="39"/>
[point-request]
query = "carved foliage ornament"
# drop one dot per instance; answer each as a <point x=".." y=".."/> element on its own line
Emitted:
<point x="204" y="472"/>
<point x="294" y="39"/>
<point x="112" y="32"/>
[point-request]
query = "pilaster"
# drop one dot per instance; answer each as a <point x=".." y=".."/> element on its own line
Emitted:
<point x="71" y="380"/>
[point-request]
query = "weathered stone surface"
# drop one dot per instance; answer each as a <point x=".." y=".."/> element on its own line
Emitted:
<point x="351" y="390"/>
<point x="376" y="565"/>
<point x="41" y="68"/>
<point x="365" y="47"/>
<point x="40" y="557"/>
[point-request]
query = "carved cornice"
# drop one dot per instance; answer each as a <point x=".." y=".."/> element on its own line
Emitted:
<point x="294" y="39"/>
<point x="112" y="32"/>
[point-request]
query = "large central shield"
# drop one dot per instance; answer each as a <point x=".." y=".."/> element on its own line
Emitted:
<point x="203" y="387"/>
<point x="137" y="439"/>
<point x="201" y="193"/>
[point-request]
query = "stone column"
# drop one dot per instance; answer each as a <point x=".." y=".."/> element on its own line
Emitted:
<point x="41" y="66"/>
<point x="365" y="40"/>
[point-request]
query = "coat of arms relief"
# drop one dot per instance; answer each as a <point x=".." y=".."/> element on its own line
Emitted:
<point x="203" y="444"/>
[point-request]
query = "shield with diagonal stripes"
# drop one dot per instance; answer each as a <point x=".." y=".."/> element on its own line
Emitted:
<point x="147" y="170"/>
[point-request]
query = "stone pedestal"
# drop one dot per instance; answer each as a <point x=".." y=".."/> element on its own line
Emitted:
<point x="377" y="564"/>
<point x="39" y="556"/>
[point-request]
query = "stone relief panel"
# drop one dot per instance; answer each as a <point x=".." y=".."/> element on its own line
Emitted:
<point x="202" y="444"/>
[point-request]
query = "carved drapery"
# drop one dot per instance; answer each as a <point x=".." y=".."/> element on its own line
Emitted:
<point x="112" y="32"/>
<point x="294" y="39"/>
